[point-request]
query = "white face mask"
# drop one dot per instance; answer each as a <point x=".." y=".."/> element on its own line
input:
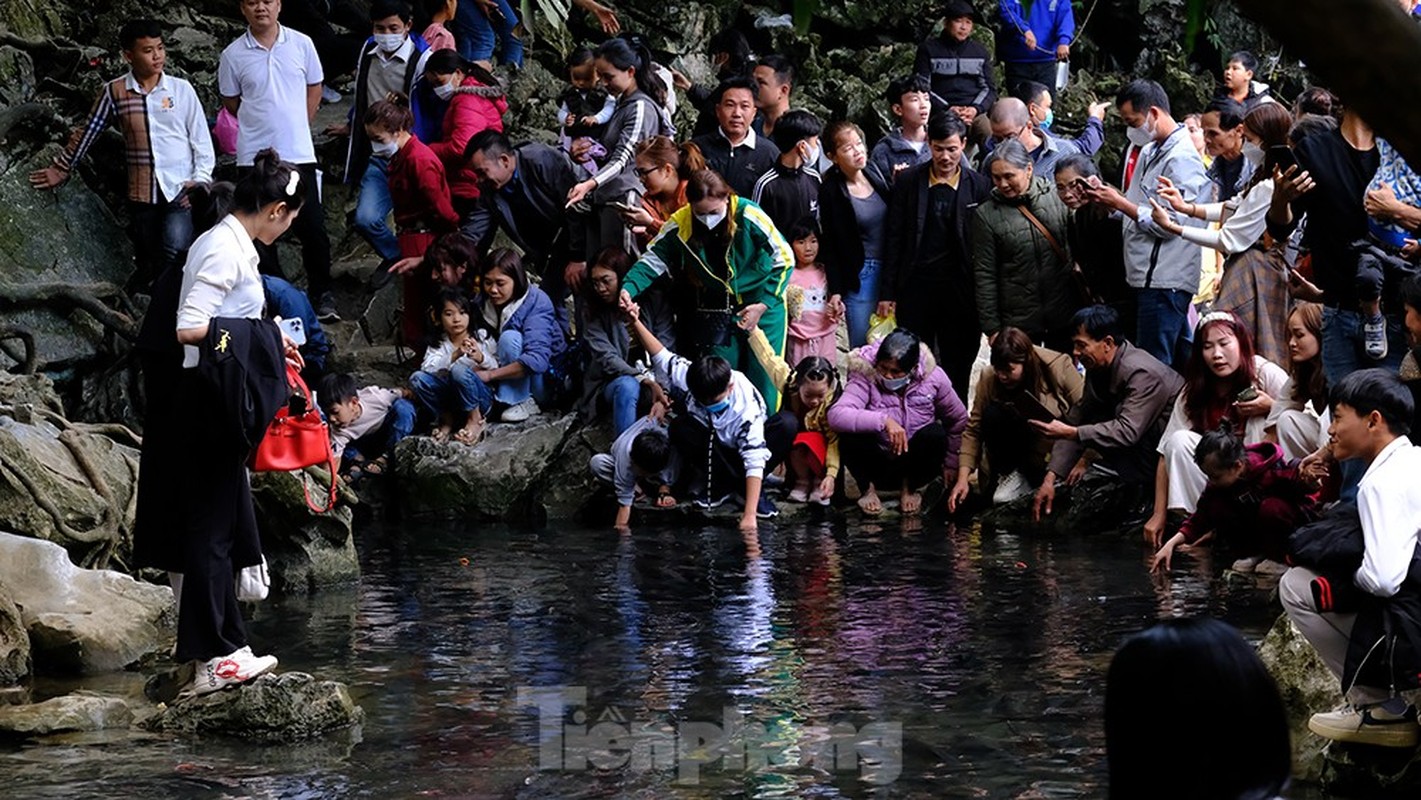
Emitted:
<point x="814" y="152"/>
<point x="444" y="91"/>
<point x="389" y="42"/>
<point x="1253" y="153"/>
<point x="1142" y="135"/>
<point x="711" y="221"/>
<point x="384" y="149"/>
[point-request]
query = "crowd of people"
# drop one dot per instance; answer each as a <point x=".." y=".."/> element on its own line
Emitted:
<point x="1222" y="329"/>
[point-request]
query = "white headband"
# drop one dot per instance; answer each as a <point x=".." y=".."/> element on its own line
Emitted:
<point x="1215" y="316"/>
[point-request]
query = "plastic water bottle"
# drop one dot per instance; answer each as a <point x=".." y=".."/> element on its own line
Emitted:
<point x="1063" y="74"/>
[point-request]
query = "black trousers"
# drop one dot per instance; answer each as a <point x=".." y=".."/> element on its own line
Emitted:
<point x="218" y="527"/>
<point x="949" y="329"/>
<point x="1043" y="72"/>
<point x="310" y="228"/>
<point x="706" y="461"/>
<point x="1011" y="444"/>
<point x="867" y="460"/>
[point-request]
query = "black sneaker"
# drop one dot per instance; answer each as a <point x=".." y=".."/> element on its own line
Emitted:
<point x="326" y="308"/>
<point x="766" y="509"/>
<point x="382" y="276"/>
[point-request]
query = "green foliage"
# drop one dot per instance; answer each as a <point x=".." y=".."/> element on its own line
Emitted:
<point x="804" y="11"/>
<point x="554" y="15"/>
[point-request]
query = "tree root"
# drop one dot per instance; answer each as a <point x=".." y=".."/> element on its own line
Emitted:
<point x="30" y="361"/>
<point x="88" y="298"/>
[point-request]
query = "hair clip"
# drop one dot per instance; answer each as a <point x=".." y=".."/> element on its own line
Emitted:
<point x="293" y="182"/>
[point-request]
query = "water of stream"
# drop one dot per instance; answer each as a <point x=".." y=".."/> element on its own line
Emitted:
<point x="917" y="661"/>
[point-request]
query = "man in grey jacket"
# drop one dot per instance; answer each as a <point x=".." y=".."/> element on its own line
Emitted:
<point x="1162" y="268"/>
<point x="1129" y="396"/>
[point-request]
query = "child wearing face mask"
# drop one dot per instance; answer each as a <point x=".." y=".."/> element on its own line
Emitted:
<point x="420" y="195"/>
<point x="476" y="103"/>
<point x="584" y="108"/>
<point x="789" y="190"/>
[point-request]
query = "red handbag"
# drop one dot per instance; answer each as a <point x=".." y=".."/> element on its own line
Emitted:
<point x="295" y="442"/>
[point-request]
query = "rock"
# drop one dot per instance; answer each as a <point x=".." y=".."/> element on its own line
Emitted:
<point x="66" y="485"/>
<point x="82" y="620"/>
<point x="81" y="711"/>
<point x="33" y="18"/>
<point x="305" y="551"/>
<point x="491" y="481"/>
<point x="568" y="486"/>
<point x="17" y="76"/>
<point x="14" y="642"/>
<point x="274" y="708"/>
<point x="1307" y="686"/>
<point x="39" y="245"/>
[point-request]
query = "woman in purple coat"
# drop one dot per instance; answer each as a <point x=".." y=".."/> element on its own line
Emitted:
<point x="899" y="421"/>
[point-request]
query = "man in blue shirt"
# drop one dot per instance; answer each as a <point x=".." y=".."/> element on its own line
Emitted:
<point x="1035" y="35"/>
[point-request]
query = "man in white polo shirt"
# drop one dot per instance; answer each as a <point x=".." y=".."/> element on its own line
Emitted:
<point x="270" y="78"/>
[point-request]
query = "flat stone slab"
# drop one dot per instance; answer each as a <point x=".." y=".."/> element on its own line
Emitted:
<point x="81" y="711"/>
<point x="288" y="707"/>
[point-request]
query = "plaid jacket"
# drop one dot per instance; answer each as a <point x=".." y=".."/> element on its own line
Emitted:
<point x="115" y="101"/>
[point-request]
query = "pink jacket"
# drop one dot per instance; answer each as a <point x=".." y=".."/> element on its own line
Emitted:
<point x="928" y="397"/>
<point x="473" y="108"/>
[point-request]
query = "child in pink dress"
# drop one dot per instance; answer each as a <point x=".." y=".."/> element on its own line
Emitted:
<point x="813" y="314"/>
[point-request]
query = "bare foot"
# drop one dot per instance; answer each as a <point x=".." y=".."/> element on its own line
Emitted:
<point x="910" y="502"/>
<point x="441" y="433"/>
<point x="870" y="504"/>
<point x="472" y="431"/>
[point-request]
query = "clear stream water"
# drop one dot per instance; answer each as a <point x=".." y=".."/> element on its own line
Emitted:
<point x="933" y="661"/>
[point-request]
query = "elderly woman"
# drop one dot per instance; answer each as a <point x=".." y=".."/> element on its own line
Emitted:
<point x="899" y="421"/>
<point x="1019" y="264"/>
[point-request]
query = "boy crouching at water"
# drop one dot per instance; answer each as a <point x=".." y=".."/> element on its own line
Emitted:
<point x="1373" y="644"/>
<point x="643" y="455"/>
<point x="366" y="423"/>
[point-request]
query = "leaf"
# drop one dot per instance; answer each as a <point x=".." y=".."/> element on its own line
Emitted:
<point x="1194" y="22"/>
<point x="804" y="11"/>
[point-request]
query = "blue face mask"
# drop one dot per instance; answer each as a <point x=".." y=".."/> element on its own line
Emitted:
<point x="717" y="407"/>
<point x="893" y="384"/>
<point x="1050" y="117"/>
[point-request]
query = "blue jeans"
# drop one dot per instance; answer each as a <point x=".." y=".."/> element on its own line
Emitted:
<point x="456" y="389"/>
<point x="162" y="233"/>
<point x="1162" y="325"/>
<point x="512" y="391"/>
<point x="372" y="206"/>
<point x="1342" y="354"/>
<point x="861" y="304"/>
<point x="477" y="33"/>
<point x="621" y="394"/>
<point x="398" y="424"/>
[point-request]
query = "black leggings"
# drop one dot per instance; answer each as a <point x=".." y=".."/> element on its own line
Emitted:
<point x="695" y="442"/>
<point x="1011" y="444"/>
<point x="867" y="460"/>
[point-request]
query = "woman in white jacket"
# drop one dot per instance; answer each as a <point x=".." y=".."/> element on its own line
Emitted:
<point x="1254" y="287"/>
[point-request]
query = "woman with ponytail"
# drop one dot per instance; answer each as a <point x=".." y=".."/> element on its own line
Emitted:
<point x="1254" y="499"/>
<point x="195" y="515"/>
<point x="476" y="103"/>
<point x="627" y="74"/>
<point x="663" y="167"/>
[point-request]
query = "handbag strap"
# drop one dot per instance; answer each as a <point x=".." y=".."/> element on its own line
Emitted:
<point x="331" y="493"/>
<point x="1055" y="245"/>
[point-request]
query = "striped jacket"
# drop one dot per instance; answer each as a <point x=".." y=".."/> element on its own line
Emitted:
<point x="758" y="262"/>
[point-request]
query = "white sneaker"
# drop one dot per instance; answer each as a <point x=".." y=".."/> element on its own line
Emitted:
<point x="517" y="413"/>
<point x="329" y="95"/>
<point x="1013" y="486"/>
<point x="232" y="670"/>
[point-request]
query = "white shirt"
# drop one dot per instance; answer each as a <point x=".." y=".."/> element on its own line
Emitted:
<point x="272" y="84"/>
<point x="1268" y="378"/>
<point x="1243" y="228"/>
<point x="1389" y="503"/>
<point x="177" y="133"/>
<point x="220" y="279"/>
<point x="375" y="405"/>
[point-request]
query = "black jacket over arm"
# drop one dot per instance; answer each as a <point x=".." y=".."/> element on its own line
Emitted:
<point x="841" y="245"/>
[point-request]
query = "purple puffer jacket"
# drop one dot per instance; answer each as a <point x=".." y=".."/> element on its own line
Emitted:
<point x="928" y="396"/>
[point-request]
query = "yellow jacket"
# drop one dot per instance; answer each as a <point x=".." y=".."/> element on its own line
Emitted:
<point x="816" y="420"/>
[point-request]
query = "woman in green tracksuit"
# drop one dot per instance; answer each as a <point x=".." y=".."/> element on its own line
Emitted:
<point x="728" y="268"/>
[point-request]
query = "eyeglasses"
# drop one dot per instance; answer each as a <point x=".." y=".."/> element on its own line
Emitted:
<point x="642" y="172"/>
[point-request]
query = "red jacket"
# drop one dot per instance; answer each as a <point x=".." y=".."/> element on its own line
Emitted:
<point x="1268" y="475"/>
<point x="419" y="191"/>
<point x="473" y="108"/>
